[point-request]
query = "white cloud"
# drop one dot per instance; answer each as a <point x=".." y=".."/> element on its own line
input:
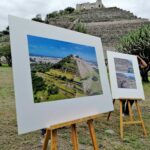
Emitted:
<point x="140" y="8"/>
<point x="29" y="8"/>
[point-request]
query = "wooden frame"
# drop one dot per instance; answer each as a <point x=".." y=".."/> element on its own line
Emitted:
<point x="51" y="133"/>
<point x="132" y="121"/>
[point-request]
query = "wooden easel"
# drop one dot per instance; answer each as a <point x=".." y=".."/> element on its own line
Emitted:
<point x="132" y="121"/>
<point x="51" y="133"/>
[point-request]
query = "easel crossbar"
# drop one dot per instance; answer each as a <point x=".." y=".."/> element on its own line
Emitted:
<point x="69" y="123"/>
<point x="133" y="122"/>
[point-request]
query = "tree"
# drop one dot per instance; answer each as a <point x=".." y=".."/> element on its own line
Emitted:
<point x="69" y="10"/>
<point x="5" y="51"/>
<point x="138" y="43"/>
<point x="38" y="83"/>
<point x="6" y="31"/>
<point x="38" y="18"/>
<point x="52" y="15"/>
<point x="52" y="89"/>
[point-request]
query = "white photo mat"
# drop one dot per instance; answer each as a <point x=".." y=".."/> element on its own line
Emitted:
<point x="33" y="116"/>
<point x="124" y="93"/>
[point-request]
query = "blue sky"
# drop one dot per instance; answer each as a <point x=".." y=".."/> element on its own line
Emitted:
<point x="39" y="46"/>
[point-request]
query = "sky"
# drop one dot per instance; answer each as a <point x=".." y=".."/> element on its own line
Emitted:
<point x="39" y="46"/>
<point x="29" y="8"/>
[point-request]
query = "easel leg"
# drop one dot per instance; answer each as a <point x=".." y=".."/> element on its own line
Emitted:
<point x="47" y="137"/>
<point x="74" y="137"/>
<point x="54" y="139"/>
<point x="121" y="120"/>
<point x="140" y="117"/>
<point x="110" y="111"/>
<point x="92" y="133"/>
<point x="130" y="110"/>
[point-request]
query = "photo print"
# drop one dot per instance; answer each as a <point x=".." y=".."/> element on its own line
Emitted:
<point x="125" y="73"/>
<point x="62" y="70"/>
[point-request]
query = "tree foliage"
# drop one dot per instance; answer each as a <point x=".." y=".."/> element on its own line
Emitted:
<point x="5" y="51"/>
<point x="38" y="18"/>
<point x="38" y="83"/>
<point x="52" y="89"/>
<point x="55" y="14"/>
<point x="69" y="10"/>
<point x="137" y="43"/>
<point x="52" y="15"/>
<point x="41" y="67"/>
<point x="6" y="31"/>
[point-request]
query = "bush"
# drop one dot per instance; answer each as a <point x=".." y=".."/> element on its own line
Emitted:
<point x="69" y="10"/>
<point x="63" y="78"/>
<point x="52" y="15"/>
<point x="137" y="43"/>
<point x="42" y="67"/>
<point x="52" y="89"/>
<point x="38" y="83"/>
<point x="5" y="51"/>
<point x="94" y="78"/>
<point x="80" y="27"/>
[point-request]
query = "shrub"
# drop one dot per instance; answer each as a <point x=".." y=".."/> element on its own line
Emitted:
<point x="94" y="78"/>
<point x="52" y="15"/>
<point x="80" y="27"/>
<point x="5" y="51"/>
<point x="69" y="10"/>
<point x="38" y="83"/>
<point x="52" y="89"/>
<point x="137" y="43"/>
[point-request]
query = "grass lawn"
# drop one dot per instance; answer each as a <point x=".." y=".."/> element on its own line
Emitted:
<point x="9" y="139"/>
<point x="67" y="87"/>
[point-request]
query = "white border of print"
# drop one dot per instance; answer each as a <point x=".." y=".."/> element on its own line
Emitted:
<point x="32" y="116"/>
<point x="120" y="93"/>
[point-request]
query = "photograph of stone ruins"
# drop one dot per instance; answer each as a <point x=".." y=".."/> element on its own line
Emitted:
<point x="125" y="73"/>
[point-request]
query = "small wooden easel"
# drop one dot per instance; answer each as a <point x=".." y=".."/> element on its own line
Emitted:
<point x="132" y="121"/>
<point x="51" y="133"/>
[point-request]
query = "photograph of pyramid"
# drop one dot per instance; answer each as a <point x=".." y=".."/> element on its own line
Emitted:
<point x="62" y="70"/>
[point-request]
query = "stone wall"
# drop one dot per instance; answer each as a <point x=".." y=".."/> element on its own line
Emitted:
<point x="97" y="4"/>
<point x="111" y="32"/>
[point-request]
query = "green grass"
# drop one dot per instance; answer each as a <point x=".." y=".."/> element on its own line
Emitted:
<point x="66" y="87"/>
<point x="9" y="139"/>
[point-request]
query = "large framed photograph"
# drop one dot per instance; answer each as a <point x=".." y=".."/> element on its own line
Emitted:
<point x="59" y="75"/>
<point x="124" y="76"/>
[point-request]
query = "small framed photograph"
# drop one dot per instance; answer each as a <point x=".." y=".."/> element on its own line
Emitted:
<point x="125" y="76"/>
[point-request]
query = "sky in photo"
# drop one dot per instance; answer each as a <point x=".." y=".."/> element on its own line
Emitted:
<point x="39" y="46"/>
